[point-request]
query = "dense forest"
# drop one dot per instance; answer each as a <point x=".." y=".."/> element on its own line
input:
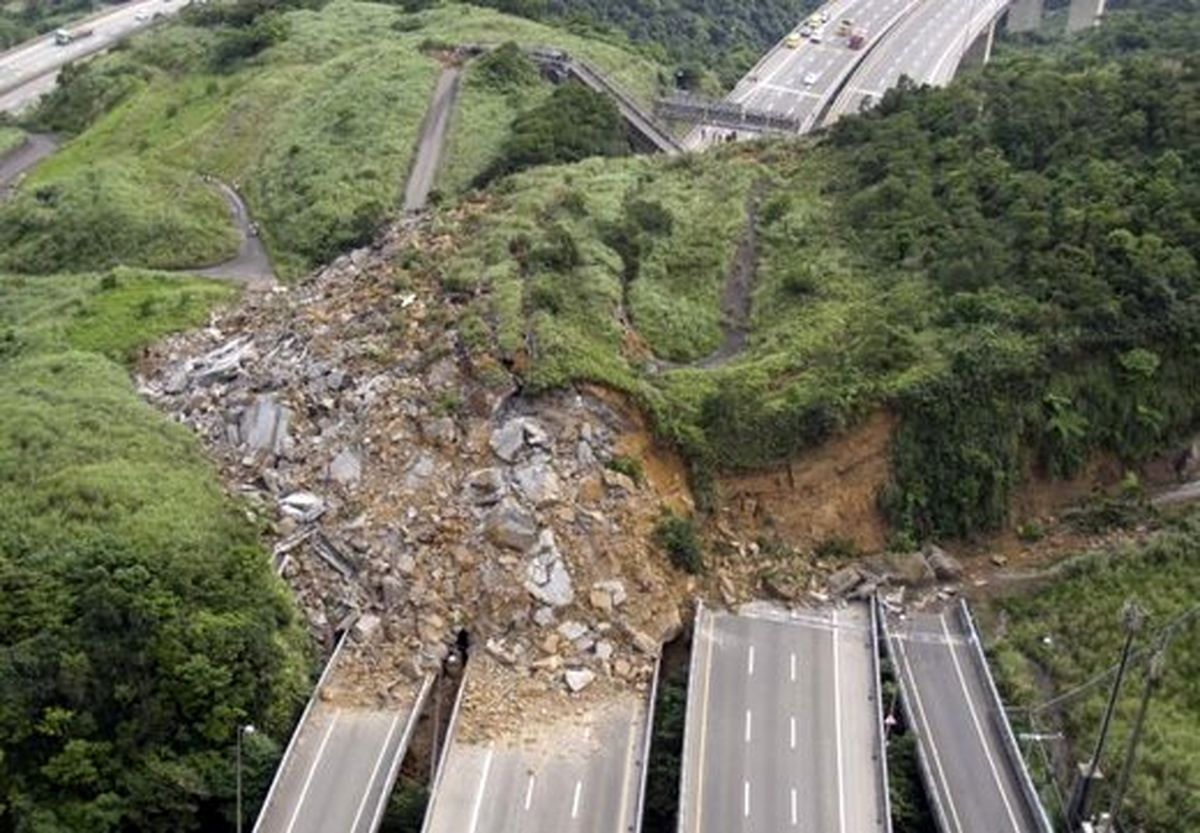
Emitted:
<point x="698" y="36"/>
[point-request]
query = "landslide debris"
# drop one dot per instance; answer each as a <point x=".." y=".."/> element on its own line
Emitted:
<point x="412" y="496"/>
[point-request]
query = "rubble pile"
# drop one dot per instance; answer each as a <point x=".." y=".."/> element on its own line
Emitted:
<point x="413" y="503"/>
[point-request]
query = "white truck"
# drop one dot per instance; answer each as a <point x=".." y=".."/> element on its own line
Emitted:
<point x="64" y="36"/>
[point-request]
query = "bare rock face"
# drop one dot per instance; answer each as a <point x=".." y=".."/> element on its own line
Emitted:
<point x="485" y="487"/>
<point x="346" y="468"/>
<point x="539" y="483"/>
<point x="509" y="525"/>
<point x="547" y="577"/>
<point x="945" y="566"/>
<point x="514" y="437"/>
<point x="577" y="679"/>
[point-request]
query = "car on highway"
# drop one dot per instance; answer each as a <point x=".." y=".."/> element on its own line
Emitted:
<point x="141" y="17"/>
<point x="845" y="27"/>
<point x="811" y="79"/>
<point x="816" y="37"/>
<point x="793" y="40"/>
<point x="806" y="31"/>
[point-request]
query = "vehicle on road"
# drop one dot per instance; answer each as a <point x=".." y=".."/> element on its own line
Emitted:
<point x="806" y="31"/>
<point x="141" y="17"/>
<point x="845" y="27"/>
<point x="811" y="79"/>
<point x="64" y="36"/>
<point x="793" y="40"/>
<point x="858" y="39"/>
<point x="816" y="37"/>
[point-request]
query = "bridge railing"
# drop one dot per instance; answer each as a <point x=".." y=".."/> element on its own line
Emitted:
<point x="885" y="796"/>
<point x="910" y="720"/>
<point x="308" y="707"/>
<point x="1000" y="717"/>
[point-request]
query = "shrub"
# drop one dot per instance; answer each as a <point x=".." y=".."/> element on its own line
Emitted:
<point x="677" y="535"/>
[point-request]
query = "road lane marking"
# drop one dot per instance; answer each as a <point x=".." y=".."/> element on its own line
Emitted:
<point x="750" y="662"/>
<point x="979" y="731"/>
<point x="478" y="805"/>
<point x="747" y="725"/>
<point x="311" y="772"/>
<point x="746" y="798"/>
<point x="792" y="725"/>
<point x="919" y="705"/>
<point x="529" y="792"/>
<point x="704" y="724"/>
<point x="575" y="800"/>
<point x="793" y="668"/>
<point x="795" y="815"/>
<point x="362" y="805"/>
<point x="837" y="723"/>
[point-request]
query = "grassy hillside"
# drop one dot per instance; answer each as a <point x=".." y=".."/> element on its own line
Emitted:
<point x="1066" y="634"/>
<point x="141" y="619"/>
<point x="317" y="129"/>
<point x="10" y="139"/>
<point x="1021" y="303"/>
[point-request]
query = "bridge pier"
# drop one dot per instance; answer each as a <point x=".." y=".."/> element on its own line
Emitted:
<point x="1084" y="14"/>
<point x="980" y="52"/>
<point x="1025" y="15"/>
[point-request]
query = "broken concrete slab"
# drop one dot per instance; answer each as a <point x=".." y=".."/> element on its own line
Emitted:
<point x="346" y="468"/>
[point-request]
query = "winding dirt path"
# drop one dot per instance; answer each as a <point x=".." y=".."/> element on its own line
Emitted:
<point x="17" y="162"/>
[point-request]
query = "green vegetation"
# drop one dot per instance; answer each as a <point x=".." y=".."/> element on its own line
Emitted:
<point x="702" y="36"/>
<point x="313" y="114"/>
<point x="141" y="620"/>
<point x="111" y="212"/>
<point x="10" y="139"/>
<point x="1023" y="303"/>
<point x="677" y="535"/>
<point x="1070" y="631"/>
<point x="572" y="124"/>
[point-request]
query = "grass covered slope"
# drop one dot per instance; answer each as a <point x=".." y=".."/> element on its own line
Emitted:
<point x="1081" y="616"/>
<point x="141" y="620"/>
<point x="317" y="127"/>
<point x="1022" y="303"/>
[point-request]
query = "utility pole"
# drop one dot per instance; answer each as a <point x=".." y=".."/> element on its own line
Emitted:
<point x="1079" y="808"/>
<point x="1154" y="670"/>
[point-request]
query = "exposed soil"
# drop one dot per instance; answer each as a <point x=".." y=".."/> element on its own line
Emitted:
<point x="828" y="492"/>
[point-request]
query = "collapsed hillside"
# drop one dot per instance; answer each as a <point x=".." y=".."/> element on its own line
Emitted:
<point x="416" y="494"/>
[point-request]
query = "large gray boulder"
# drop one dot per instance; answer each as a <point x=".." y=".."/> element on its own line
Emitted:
<point x="509" y="525"/>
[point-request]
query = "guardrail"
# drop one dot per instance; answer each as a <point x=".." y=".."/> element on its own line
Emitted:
<point x="687" y="736"/>
<point x="308" y="707"/>
<point x="703" y="110"/>
<point x="646" y="744"/>
<point x="451" y="726"/>
<point x="881" y="740"/>
<point x="1000" y="716"/>
<point x="910" y="720"/>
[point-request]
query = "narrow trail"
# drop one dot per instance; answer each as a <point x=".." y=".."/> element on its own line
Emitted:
<point x="737" y="299"/>
<point x="251" y="265"/>
<point x="433" y="139"/>
<point x="17" y="162"/>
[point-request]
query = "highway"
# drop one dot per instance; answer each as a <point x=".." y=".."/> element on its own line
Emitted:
<point x="27" y="71"/>
<point x="783" y="729"/>
<point x="977" y="777"/>
<point x="581" y="773"/>
<point x="341" y="764"/>
<point x="927" y="46"/>
<point x="798" y="83"/>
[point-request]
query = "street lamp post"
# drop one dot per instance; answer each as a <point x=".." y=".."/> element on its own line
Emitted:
<point x="242" y="730"/>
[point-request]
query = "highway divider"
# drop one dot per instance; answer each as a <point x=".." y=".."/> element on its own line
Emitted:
<point x="881" y="739"/>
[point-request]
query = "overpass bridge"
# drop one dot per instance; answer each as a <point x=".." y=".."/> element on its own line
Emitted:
<point x="783" y="728"/>
<point x="806" y="83"/>
<point x="973" y="771"/>
<point x="343" y="758"/>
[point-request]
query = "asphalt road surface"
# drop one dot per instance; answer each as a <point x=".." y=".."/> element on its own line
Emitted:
<point x="927" y="46"/>
<point x="341" y="770"/>
<point x="14" y="164"/>
<point x="252" y="264"/>
<point x="798" y="83"/>
<point x="956" y="727"/>
<point x="433" y="140"/>
<point x="34" y="64"/>
<point x="782" y="725"/>
<point x="580" y="775"/>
